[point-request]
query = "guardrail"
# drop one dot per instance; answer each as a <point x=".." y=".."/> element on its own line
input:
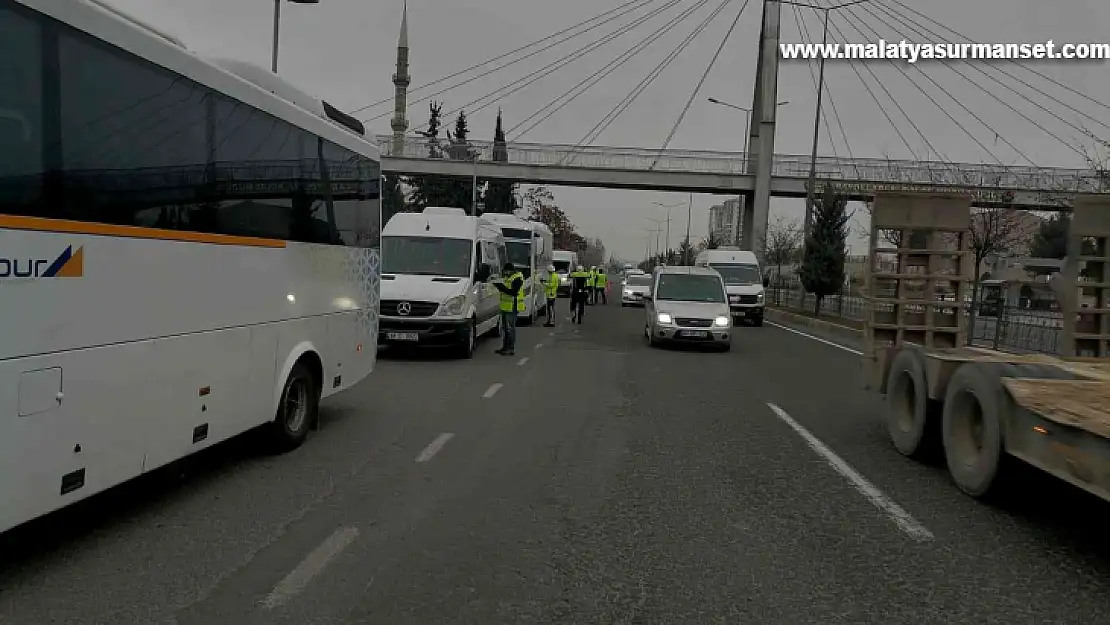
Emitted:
<point x="847" y="171"/>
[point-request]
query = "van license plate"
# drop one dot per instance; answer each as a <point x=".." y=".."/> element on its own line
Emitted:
<point x="696" y="334"/>
<point x="402" y="336"/>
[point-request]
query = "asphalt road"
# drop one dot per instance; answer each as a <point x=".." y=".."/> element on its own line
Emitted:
<point x="590" y="479"/>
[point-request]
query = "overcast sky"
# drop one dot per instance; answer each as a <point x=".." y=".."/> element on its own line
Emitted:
<point x="344" y="50"/>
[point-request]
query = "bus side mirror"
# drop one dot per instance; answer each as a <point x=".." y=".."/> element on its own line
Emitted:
<point x="482" y="273"/>
<point x="766" y="282"/>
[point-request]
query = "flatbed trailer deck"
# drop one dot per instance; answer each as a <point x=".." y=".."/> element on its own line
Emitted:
<point x="979" y="405"/>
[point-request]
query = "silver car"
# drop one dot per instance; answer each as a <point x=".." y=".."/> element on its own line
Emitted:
<point x="634" y="289"/>
<point x="688" y="305"/>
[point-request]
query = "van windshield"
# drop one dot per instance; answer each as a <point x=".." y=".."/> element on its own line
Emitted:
<point x="520" y="255"/>
<point x="678" y="287"/>
<point x="638" y="280"/>
<point x="738" y="274"/>
<point x="562" y="266"/>
<point x="427" y="256"/>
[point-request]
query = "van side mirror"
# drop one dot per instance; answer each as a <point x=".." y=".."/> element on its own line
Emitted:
<point x="766" y="281"/>
<point x="482" y="273"/>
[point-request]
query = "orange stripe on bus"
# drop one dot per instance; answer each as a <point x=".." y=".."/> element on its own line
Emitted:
<point x="135" y="232"/>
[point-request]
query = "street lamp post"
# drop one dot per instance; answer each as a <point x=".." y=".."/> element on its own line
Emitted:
<point x="747" y="136"/>
<point x="277" y="28"/>
<point x="668" y="207"/>
<point x="689" y="214"/>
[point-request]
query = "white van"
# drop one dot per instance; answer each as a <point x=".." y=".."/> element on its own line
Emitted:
<point x="525" y="252"/>
<point x="565" y="262"/>
<point x="437" y="272"/>
<point x="744" y="281"/>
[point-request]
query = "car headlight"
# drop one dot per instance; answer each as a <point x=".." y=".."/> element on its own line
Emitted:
<point x="663" y="318"/>
<point x="721" y="322"/>
<point x="628" y="291"/>
<point x="759" y="298"/>
<point x="453" y="307"/>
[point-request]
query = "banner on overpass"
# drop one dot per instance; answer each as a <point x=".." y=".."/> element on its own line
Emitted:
<point x="994" y="196"/>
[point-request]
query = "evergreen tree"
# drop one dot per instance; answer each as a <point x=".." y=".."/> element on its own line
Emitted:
<point x="393" y="197"/>
<point x="500" y="196"/>
<point x="822" y="270"/>
<point x="1051" y="239"/>
<point x="430" y="189"/>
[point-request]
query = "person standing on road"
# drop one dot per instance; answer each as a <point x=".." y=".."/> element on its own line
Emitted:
<point x="579" y="291"/>
<point x="551" y="292"/>
<point x="601" y="282"/>
<point x="591" y="275"/>
<point x="512" y="302"/>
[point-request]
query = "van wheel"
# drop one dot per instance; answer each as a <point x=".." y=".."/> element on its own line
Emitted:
<point x="466" y="350"/>
<point x="297" y="409"/>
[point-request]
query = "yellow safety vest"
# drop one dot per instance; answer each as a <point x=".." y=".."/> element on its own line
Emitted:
<point x="601" y="280"/>
<point x="591" y="279"/>
<point x="510" y="303"/>
<point x="551" y="289"/>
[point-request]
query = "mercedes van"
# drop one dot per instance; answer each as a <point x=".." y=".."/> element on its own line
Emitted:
<point x="526" y="253"/>
<point x="437" y="272"/>
<point x="565" y="262"/>
<point x="744" y="281"/>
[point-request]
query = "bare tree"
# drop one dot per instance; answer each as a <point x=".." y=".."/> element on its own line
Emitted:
<point x="995" y="231"/>
<point x="782" y="244"/>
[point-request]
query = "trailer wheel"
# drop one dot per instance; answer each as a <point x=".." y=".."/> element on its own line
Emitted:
<point x="975" y="408"/>
<point x="912" y="419"/>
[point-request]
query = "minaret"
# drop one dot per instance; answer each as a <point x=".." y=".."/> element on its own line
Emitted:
<point x="401" y="81"/>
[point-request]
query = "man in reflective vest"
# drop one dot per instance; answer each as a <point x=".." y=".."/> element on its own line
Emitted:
<point x="601" y="281"/>
<point x="512" y="302"/>
<point x="578" y="294"/>
<point x="591" y="285"/>
<point x="551" y="292"/>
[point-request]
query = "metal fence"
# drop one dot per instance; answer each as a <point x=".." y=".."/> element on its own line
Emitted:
<point x="1006" y="328"/>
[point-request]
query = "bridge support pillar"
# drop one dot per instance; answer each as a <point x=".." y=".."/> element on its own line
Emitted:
<point x="765" y="108"/>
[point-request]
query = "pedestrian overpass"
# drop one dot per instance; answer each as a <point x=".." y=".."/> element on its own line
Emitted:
<point x="1038" y="188"/>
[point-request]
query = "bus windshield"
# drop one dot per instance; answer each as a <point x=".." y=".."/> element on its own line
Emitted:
<point x="520" y="253"/>
<point x="562" y="266"/>
<point x="739" y="274"/>
<point x="426" y="256"/>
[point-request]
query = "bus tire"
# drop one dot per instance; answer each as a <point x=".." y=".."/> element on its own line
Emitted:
<point x="467" y="348"/>
<point x="912" y="419"/>
<point x="976" y="408"/>
<point x="298" y="409"/>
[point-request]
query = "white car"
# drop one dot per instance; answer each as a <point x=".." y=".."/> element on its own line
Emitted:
<point x="688" y="305"/>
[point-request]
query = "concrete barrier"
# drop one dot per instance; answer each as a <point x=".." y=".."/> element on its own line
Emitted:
<point x="801" y="322"/>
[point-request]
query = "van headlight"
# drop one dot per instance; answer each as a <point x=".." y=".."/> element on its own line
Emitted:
<point x="663" y="318"/>
<point x="721" y="322"/>
<point x="452" y="307"/>
<point x="759" y="298"/>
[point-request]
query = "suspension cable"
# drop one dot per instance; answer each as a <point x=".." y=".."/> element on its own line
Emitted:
<point x="546" y="70"/>
<point x="701" y="81"/>
<point x="629" y="98"/>
<point x="514" y="51"/>
<point x="600" y="74"/>
<point x="591" y="46"/>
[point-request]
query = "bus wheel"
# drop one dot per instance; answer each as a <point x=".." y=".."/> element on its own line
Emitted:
<point x="297" y="409"/>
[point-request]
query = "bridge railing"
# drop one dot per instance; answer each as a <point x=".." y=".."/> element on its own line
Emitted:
<point x="829" y="169"/>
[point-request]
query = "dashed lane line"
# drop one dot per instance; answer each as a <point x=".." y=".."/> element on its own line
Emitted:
<point x="492" y="390"/>
<point x="522" y="362"/>
<point x="315" y="562"/>
<point x="901" y="518"/>
<point x="433" y="447"/>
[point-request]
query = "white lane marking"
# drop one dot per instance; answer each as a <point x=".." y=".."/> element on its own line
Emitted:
<point x="551" y="334"/>
<point x="492" y="390"/>
<point x="298" y="579"/>
<point x="901" y="518"/>
<point x="522" y="362"/>
<point x="539" y="345"/>
<point x="433" y="447"/>
<point x="816" y="338"/>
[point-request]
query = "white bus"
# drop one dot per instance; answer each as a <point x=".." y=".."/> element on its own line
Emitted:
<point x="525" y="252"/>
<point x="184" y="255"/>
